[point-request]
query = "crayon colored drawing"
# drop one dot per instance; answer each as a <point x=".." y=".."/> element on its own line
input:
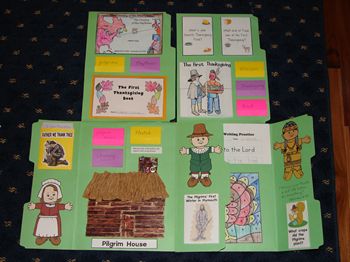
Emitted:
<point x="243" y="214"/>
<point x="205" y="89"/>
<point x="156" y="88"/>
<point x="48" y="223"/>
<point x="54" y="154"/>
<point x="291" y="149"/>
<point x="200" y="163"/>
<point x="107" y="31"/>
<point x="202" y="223"/>
<point x="100" y="88"/>
<point x="118" y="33"/>
<point x="156" y="46"/>
<point x="296" y="215"/>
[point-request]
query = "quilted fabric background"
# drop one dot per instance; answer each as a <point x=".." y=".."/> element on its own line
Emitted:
<point x="42" y="52"/>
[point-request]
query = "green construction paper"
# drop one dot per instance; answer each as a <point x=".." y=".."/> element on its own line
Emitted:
<point x="255" y="169"/>
<point x="258" y="55"/>
<point x="167" y="60"/>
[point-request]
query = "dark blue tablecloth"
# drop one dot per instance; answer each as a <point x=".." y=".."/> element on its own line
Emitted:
<point x="42" y="51"/>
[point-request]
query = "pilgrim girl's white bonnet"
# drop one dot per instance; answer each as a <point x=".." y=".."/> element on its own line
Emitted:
<point x="52" y="182"/>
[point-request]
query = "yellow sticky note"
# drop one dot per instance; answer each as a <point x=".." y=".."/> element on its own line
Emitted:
<point x="145" y="135"/>
<point x="109" y="64"/>
<point x="249" y="69"/>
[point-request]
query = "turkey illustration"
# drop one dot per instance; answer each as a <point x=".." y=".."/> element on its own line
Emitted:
<point x="242" y="216"/>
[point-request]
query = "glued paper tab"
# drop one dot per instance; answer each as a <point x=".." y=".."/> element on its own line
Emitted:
<point x="250" y="69"/>
<point x="257" y="107"/>
<point x="251" y="88"/>
<point x="145" y="135"/>
<point x="109" y="64"/>
<point x="108" y="137"/>
<point x="144" y="64"/>
<point x="107" y="157"/>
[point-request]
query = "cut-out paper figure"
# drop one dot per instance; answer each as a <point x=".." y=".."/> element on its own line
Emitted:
<point x="100" y="88"/>
<point x="157" y="89"/>
<point x="296" y="216"/>
<point x="213" y="88"/>
<point x="106" y="31"/>
<point x="195" y="92"/>
<point x="200" y="164"/>
<point x="48" y="222"/>
<point x="54" y="154"/>
<point x="291" y="150"/>
<point x="202" y="222"/>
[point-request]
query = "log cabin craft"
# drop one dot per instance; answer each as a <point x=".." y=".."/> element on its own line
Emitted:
<point x="125" y="205"/>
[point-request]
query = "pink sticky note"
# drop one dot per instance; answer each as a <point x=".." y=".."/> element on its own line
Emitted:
<point x="108" y="137"/>
<point x="252" y="107"/>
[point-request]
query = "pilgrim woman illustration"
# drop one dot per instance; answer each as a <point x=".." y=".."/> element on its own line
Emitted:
<point x="48" y="222"/>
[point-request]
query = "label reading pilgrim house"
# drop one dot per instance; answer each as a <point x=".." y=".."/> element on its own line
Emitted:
<point x="123" y="243"/>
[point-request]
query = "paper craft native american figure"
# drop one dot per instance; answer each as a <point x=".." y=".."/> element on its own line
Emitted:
<point x="291" y="150"/>
<point x="48" y="222"/>
<point x="200" y="164"/>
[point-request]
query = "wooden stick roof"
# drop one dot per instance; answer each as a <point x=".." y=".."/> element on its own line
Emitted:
<point x="133" y="186"/>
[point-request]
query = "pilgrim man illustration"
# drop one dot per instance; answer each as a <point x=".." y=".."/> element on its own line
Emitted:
<point x="48" y="222"/>
<point x="291" y="150"/>
<point x="200" y="164"/>
<point x="195" y="92"/>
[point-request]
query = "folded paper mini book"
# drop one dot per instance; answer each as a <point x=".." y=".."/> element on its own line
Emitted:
<point x="173" y="160"/>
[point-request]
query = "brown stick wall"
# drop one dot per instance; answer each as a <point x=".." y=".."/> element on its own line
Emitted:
<point x="105" y="218"/>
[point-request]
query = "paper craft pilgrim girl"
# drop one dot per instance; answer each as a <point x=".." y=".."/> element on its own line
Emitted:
<point x="48" y="222"/>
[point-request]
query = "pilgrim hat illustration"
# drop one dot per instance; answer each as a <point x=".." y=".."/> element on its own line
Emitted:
<point x="193" y="74"/>
<point x="199" y="130"/>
